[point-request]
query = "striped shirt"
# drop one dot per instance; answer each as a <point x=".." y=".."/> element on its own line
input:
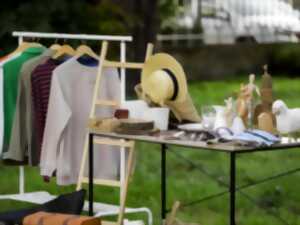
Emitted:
<point x="41" y="83"/>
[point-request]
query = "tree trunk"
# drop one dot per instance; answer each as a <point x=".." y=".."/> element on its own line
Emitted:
<point x="145" y="31"/>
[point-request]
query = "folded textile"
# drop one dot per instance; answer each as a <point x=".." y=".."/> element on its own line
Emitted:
<point x="68" y="203"/>
<point x="266" y="135"/>
<point x="44" y="218"/>
<point x="253" y="138"/>
<point x="190" y="135"/>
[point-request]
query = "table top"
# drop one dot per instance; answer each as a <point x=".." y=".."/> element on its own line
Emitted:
<point x="222" y="147"/>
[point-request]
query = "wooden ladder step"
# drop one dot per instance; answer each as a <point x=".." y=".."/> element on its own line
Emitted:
<point x="107" y="103"/>
<point x="121" y="143"/>
<point x="126" y="65"/>
<point x="104" y="182"/>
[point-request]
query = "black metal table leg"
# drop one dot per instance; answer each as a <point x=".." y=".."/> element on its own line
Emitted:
<point x="232" y="188"/>
<point x="91" y="174"/>
<point x="163" y="182"/>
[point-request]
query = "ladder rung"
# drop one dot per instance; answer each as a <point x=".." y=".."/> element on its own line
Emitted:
<point x="107" y="103"/>
<point x="103" y="182"/>
<point x="127" y="65"/>
<point x="125" y="144"/>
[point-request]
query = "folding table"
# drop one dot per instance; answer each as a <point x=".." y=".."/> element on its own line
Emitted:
<point x="232" y="150"/>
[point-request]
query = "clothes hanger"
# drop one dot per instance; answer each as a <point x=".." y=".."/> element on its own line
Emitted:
<point x="64" y="50"/>
<point x="55" y="46"/>
<point x="25" y="45"/>
<point x="84" y="49"/>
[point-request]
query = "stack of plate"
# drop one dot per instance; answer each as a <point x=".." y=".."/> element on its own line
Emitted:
<point x="193" y="127"/>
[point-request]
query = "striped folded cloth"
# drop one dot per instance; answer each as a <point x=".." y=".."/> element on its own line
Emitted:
<point x="44" y="218"/>
<point x="254" y="137"/>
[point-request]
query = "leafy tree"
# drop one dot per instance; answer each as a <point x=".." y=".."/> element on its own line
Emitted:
<point x="139" y="18"/>
<point x="64" y="16"/>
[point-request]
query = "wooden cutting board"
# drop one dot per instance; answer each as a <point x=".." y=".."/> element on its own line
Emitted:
<point x="136" y="125"/>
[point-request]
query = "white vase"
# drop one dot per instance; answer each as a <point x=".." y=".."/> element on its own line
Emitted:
<point x="159" y="115"/>
<point x="136" y="108"/>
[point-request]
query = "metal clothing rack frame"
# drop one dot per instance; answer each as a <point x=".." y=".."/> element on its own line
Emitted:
<point x="40" y="196"/>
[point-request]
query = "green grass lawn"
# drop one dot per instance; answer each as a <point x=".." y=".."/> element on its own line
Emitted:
<point x="186" y="183"/>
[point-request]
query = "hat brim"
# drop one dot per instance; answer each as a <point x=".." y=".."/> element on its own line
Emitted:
<point x="184" y="110"/>
<point x="162" y="61"/>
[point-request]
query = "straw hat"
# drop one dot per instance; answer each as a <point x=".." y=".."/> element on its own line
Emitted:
<point x="164" y="82"/>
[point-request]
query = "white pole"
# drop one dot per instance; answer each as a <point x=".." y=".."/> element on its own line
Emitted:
<point x="20" y="40"/>
<point x="123" y="99"/>
<point x="123" y="72"/>
<point x="21" y="168"/>
<point x="72" y="36"/>
<point x="21" y="180"/>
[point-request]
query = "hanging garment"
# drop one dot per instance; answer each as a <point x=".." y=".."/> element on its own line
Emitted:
<point x="67" y="203"/>
<point x="23" y="136"/>
<point x="41" y="83"/>
<point x="11" y="79"/>
<point x="7" y="59"/>
<point x="67" y="118"/>
<point x="3" y="58"/>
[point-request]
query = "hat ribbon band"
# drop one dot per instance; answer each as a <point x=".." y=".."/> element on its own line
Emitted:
<point x="175" y="83"/>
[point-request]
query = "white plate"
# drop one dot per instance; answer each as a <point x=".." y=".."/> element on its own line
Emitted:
<point x="191" y="127"/>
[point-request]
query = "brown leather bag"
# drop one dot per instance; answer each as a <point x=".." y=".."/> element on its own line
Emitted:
<point x="44" y="218"/>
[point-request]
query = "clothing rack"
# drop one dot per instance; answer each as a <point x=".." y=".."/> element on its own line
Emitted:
<point x="121" y="39"/>
<point x="40" y="197"/>
<point x="21" y="36"/>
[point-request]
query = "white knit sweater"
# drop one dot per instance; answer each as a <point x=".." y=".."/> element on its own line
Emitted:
<point x="67" y="118"/>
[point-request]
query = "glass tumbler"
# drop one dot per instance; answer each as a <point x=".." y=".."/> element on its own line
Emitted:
<point x="208" y="117"/>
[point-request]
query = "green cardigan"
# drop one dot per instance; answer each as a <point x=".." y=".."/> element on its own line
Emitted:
<point x="11" y="73"/>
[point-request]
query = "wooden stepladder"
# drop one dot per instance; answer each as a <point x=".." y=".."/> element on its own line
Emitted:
<point x="125" y="168"/>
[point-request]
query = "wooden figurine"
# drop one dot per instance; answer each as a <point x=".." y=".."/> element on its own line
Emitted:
<point x="251" y="88"/>
<point x="264" y="109"/>
<point x="241" y="104"/>
<point x="246" y="98"/>
<point x="266" y="90"/>
<point x="265" y="122"/>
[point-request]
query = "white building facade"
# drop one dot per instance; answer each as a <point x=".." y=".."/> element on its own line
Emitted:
<point x="229" y="21"/>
